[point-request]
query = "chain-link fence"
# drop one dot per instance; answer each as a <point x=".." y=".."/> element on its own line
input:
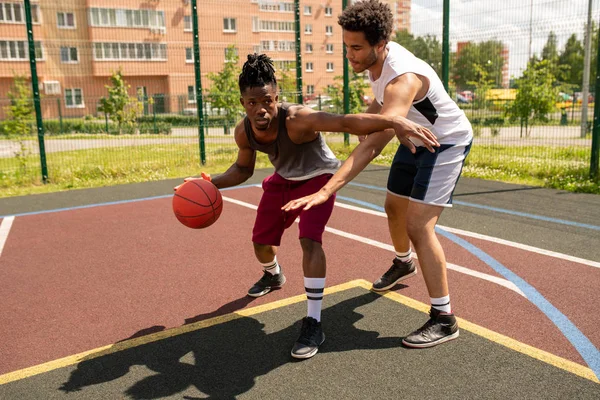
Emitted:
<point x="118" y="86"/>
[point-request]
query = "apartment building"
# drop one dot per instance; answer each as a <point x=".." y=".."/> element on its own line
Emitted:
<point x="80" y="43"/>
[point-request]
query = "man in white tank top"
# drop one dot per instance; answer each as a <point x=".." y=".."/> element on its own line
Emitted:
<point x="420" y="183"/>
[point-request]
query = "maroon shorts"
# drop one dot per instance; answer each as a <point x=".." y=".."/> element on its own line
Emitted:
<point x="271" y="220"/>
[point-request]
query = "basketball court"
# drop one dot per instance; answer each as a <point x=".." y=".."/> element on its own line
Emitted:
<point x="107" y="295"/>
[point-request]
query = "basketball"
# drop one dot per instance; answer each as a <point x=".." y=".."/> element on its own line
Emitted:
<point x="197" y="203"/>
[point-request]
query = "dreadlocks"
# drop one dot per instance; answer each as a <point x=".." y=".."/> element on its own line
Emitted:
<point x="257" y="71"/>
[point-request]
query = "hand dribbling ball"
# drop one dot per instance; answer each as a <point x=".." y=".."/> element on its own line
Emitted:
<point x="197" y="203"/>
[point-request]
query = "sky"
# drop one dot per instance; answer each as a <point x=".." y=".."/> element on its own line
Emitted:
<point x="510" y="21"/>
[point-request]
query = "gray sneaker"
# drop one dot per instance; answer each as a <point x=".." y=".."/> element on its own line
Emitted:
<point x="440" y="328"/>
<point x="397" y="272"/>
<point x="267" y="283"/>
<point x="311" y="337"/>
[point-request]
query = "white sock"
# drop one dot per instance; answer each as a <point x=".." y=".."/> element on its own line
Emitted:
<point x="271" y="267"/>
<point x="314" y="293"/>
<point x="441" y="303"/>
<point x="404" y="257"/>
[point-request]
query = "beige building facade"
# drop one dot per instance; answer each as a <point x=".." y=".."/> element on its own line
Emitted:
<point x="80" y="43"/>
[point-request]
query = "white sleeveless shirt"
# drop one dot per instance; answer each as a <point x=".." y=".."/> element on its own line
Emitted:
<point x="436" y="111"/>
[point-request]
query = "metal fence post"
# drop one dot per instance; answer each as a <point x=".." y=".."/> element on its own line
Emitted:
<point x="199" y="108"/>
<point x="446" y="44"/>
<point x="60" y="118"/>
<point x="595" y="156"/>
<point x="36" y="91"/>
<point x="299" y="96"/>
<point x="346" y="83"/>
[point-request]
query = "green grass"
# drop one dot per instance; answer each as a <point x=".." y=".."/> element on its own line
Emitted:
<point x="560" y="168"/>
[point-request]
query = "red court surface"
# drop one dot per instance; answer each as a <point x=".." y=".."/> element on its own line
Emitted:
<point x="80" y="279"/>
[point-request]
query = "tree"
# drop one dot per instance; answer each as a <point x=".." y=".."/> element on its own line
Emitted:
<point x="357" y="86"/>
<point x="224" y="92"/>
<point x="19" y="116"/>
<point x="120" y="107"/>
<point x="481" y="85"/>
<point x="487" y="55"/>
<point x="536" y="95"/>
<point x="427" y="48"/>
<point x="287" y="84"/>
<point x="571" y="58"/>
<point x="550" y="50"/>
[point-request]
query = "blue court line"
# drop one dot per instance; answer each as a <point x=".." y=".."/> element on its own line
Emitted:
<point x="582" y="344"/>
<point x="502" y="210"/>
<point x="110" y="203"/>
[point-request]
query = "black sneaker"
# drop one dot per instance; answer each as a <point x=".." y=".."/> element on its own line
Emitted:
<point x="311" y="337"/>
<point x="397" y="272"/>
<point x="267" y="283"/>
<point x="440" y="328"/>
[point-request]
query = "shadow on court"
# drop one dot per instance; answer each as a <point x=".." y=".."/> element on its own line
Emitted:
<point x="362" y="358"/>
<point x="222" y="361"/>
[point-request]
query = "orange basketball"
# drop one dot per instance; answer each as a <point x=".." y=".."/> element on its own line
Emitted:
<point x="197" y="203"/>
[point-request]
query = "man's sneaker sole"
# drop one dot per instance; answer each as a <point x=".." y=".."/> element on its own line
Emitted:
<point x="267" y="289"/>
<point x="308" y="355"/>
<point x="391" y="285"/>
<point x="431" y="344"/>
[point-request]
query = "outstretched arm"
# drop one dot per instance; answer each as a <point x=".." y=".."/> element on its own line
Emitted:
<point x="398" y="97"/>
<point x="360" y="157"/>
<point x="304" y="124"/>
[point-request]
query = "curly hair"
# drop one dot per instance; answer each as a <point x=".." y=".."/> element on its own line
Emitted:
<point x="258" y="70"/>
<point x="371" y="17"/>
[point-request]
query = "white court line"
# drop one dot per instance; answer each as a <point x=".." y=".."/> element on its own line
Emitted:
<point x="463" y="270"/>
<point x="488" y="238"/>
<point x="4" y="229"/>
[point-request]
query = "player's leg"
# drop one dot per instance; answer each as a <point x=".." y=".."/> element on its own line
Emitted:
<point x="266" y="237"/>
<point x="314" y="266"/>
<point x="433" y="187"/>
<point x="400" y="182"/>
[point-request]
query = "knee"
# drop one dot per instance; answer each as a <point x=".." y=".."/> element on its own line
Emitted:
<point x="416" y="229"/>
<point x="262" y="249"/>
<point x="393" y="208"/>
<point x="309" y="246"/>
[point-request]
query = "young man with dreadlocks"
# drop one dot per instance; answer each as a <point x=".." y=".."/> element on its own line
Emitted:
<point x="290" y="135"/>
<point x="420" y="185"/>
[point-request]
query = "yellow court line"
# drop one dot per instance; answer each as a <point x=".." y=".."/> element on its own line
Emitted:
<point x="505" y="341"/>
<point x="533" y="352"/>
<point x="128" y="344"/>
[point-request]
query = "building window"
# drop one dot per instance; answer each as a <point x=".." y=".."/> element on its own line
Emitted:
<point x="69" y="55"/>
<point x="191" y="94"/>
<point x="125" y="18"/>
<point x="307" y="10"/>
<point x="329" y="67"/>
<point x="229" y="25"/>
<point x="187" y="23"/>
<point x="74" y="98"/>
<point x="308" y="29"/>
<point x="329" y="30"/>
<point x="17" y="50"/>
<point x="14" y="13"/>
<point x="328" y="11"/>
<point x="309" y="47"/>
<point x="269" y="6"/>
<point x="52" y="87"/>
<point x="189" y="55"/>
<point x="130" y="51"/>
<point x="65" y="20"/>
<point x="310" y="89"/>
<point x="274" y="26"/>
<point x="329" y="48"/>
<point x="309" y="67"/>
